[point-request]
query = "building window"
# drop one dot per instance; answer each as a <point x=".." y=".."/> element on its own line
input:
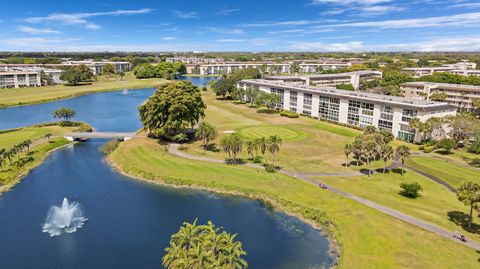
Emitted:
<point x="386" y="118"/>
<point x="280" y="93"/>
<point x="307" y="103"/>
<point x="293" y="99"/>
<point x="328" y="108"/>
<point x="360" y="113"/>
<point x="408" y="114"/>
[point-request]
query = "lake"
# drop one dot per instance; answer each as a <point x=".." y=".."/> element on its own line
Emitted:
<point x="129" y="221"/>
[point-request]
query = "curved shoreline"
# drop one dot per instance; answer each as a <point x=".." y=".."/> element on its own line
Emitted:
<point x="335" y="248"/>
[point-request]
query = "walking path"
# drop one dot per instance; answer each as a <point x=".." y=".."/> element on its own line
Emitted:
<point x="173" y="149"/>
<point x="446" y="159"/>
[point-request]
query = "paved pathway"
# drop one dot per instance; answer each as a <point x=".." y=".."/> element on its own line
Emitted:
<point x="173" y="149"/>
<point x="446" y="159"/>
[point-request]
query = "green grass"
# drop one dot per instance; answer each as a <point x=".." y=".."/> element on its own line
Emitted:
<point x="433" y="206"/>
<point x="32" y="95"/>
<point x="369" y="239"/>
<point x="286" y="133"/>
<point x="10" y="175"/>
<point x="449" y="172"/>
<point x="309" y="145"/>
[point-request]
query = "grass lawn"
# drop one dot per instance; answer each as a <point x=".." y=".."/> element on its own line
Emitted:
<point x="32" y="95"/>
<point x="10" y="175"/>
<point x="308" y="145"/>
<point x="436" y="205"/>
<point x="369" y="239"/>
<point x="449" y="172"/>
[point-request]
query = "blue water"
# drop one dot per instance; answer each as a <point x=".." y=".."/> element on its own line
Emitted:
<point x="129" y="221"/>
<point x="199" y="81"/>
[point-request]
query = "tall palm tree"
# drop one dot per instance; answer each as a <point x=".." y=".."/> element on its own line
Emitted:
<point x="369" y="153"/>
<point x="274" y="142"/>
<point x="386" y="153"/>
<point x="261" y="144"/>
<point x="206" y="132"/>
<point x="348" y="149"/>
<point x="251" y="147"/>
<point x="226" y="147"/>
<point x="403" y="153"/>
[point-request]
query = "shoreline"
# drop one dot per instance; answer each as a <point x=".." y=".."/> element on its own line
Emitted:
<point x="19" y="177"/>
<point x="75" y="95"/>
<point x="335" y="248"/>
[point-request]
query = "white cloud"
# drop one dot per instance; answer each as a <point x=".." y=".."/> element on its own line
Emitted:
<point x="36" y="31"/>
<point x="186" y="15"/>
<point x="81" y="18"/>
<point x="280" y="23"/>
<point x="349" y="2"/>
<point x="466" y="19"/>
<point x="227" y="11"/>
<point x="234" y="31"/>
<point x="230" y="40"/>
<point x="321" y="46"/>
<point x="168" y="38"/>
<point x="465" y="5"/>
<point x="34" y="42"/>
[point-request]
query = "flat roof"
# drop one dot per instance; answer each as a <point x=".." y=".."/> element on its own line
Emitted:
<point x="362" y="72"/>
<point x="379" y="98"/>
<point x="447" y="85"/>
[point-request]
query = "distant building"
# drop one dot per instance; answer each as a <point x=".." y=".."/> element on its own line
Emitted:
<point x="97" y="67"/>
<point x="54" y="73"/>
<point x="19" y="79"/>
<point x="353" y="108"/>
<point x="459" y="95"/>
<point x="461" y="68"/>
<point x="194" y="60"/>
<point x="353" y="78"/>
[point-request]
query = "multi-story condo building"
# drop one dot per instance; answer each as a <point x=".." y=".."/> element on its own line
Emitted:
<point x="460" y="68"/>
<point x="353" y="78"/>
<point x="417" y="72"/>
<point x="18" y="79"/>
<point x="97" y="67"/>
<point x="54" y="73"/>
<point x="194" y="60"/>
<point x="466" y="72"/>
<point x="315" y="67"/>
<point x="353" y="108"/>
<point x="461" y="96"/>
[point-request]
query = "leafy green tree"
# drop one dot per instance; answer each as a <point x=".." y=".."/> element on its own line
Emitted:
<point x="224" y="87"/>
<point x="65" y="114"/>
<point x="410" y="190"/>
<point x="206" y="132"/>
<point x="469" y="194"/>
<point x="295" y="67"/>
<point x="463" y="126"/>
<point x="204" y="246"/>
<point x="75" y="75"/>
<point x="438" y="96"/>
<point x="403" y="153"/>
<point x="173" y="107"/>
<point x="347" y="87"/>
<point x="252" y="94"/>
<point x="46" y="79"/>
<point x="273" y="144"/>
<point x="446" y="144"/>
<point x="108" y="69"/>
<point x="270" y="100"/>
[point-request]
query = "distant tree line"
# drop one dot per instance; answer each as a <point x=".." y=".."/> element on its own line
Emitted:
<point x="161" y="70"/>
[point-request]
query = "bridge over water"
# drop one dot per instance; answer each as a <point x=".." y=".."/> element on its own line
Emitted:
<point x="87" y="135"/>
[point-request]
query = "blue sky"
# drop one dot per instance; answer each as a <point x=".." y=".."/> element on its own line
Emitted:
<point x="266" y="25"/>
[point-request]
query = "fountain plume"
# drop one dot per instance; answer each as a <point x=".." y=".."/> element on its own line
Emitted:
<point x="64" y="219"/>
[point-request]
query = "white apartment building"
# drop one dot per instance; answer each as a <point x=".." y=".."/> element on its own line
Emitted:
<point x="194" y="60"/>
<point x="461" y="96"/>
<point x="308" y="67"/>
<point x="461" y="68"/>
<point x="417" y="72"/>
<point x="54" y="73"/>
<point x="353" y="108"/>
<point x="97" y="67"/>
<point x="18" y="79"/>
<point x="331" y="80"/>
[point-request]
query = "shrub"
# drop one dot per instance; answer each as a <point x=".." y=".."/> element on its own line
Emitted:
<point x="289" y="114"/>
<point x="110" y="146"/>
<point x="84" y="128"/>
<point x="410" y="190"/>
<point x="257" y="159"/>
<point x="239" y="102"/>
<point x="447" y="144"/>
<point x="267" y="111"/>
<point x="475" y="147"/>
<point x="421" y="147"/>
<point x="270" y="168"/>
<point x="204" y="88"/>
<point x="427" y="149"/>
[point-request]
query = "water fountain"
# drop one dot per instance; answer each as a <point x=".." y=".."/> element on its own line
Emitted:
<point x="125" y="91"/>
<point x="65" y="219"/>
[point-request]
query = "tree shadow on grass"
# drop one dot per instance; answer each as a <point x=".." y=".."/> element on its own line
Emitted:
<point x="212" y="147"/>
<point x="461" y="219"/>
<point x="238" y="161"/>
<point x="399" y="171"/>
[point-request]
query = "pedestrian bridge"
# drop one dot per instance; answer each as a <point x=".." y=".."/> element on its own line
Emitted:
<point x="87" y="135"/>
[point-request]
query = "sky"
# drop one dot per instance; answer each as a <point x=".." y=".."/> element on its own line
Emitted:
<point x="241" y="25"/>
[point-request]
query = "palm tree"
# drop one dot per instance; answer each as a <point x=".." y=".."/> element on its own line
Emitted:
<point x="469" y="194"/>
<point x="261" y="144"/>
<point x="48" y="136"/>
<point x="386" y="153"/>
<point x="206" y="132"/>
<point x="347" y="150"/>
<point x="403" y="153"/>
<point x="357" y="150"/>
<point x="226" y="147"/>
<point x="274" y="142"/>
<point x="369" y="153"/>
<point x="181" y="138"/>
<point x="2" y="158"/>
<point x="251" y="147"/>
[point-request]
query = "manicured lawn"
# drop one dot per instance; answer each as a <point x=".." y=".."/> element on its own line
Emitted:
<point x="370" y="239"/>
<point x="436" y="205"/>
<point x="10" y="175"/>
<point x="31" y="95"/>
<point x="309" y="145"/>
<point x="449" y="172"/>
